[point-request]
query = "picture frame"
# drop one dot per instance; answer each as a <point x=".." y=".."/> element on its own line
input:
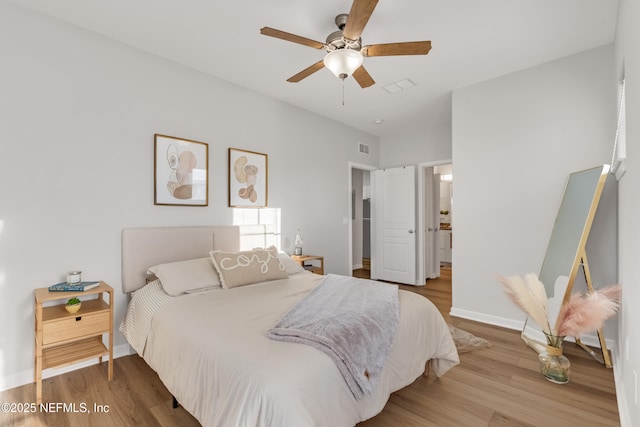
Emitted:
<point x="248" y="179"/>
<point x="181" y="171"/>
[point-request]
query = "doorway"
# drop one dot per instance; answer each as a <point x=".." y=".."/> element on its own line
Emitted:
<point x="435" y="214"/>
<point x="359" y="219"/>
<point x="358" y="264"/>
<point x="392" y="224"/>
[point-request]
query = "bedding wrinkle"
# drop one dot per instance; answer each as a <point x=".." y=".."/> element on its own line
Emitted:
<point x="352" y="320"/>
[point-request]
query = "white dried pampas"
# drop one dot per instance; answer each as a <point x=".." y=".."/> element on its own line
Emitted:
<point x="529" y="294"/>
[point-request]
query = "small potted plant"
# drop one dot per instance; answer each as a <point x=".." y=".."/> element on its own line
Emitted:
<point x="73" y="305"/>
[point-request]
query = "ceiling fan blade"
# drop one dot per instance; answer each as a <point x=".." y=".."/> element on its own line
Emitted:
<point x="392" y="49"/>
<point x="267" y="31"/>
<point x="306" y="72"/>
<point x="359" y="15"/>
<point x="363" y="77"/>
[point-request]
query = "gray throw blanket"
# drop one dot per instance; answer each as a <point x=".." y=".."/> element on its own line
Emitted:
<point x="354" y="321"/>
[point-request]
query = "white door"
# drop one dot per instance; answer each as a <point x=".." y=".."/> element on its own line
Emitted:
<point x="432" y="223"/>
<point x="393" y="225"/>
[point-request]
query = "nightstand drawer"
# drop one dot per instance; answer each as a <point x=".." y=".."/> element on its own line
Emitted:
<point x="75" y="327"/>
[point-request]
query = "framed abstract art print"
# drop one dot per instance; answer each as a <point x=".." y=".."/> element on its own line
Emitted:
<point x="248" y="175"/>
<point x="181" y="171"/>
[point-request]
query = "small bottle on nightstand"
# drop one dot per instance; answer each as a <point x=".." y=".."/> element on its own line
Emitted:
<point x="297" y="250"/>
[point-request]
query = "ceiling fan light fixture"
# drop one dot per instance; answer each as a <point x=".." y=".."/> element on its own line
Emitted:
<point x="343" y="62"/>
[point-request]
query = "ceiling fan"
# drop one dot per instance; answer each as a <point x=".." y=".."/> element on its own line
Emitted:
<point x="345" y="51"/>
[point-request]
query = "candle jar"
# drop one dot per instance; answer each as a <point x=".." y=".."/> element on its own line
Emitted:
<point x="74" y="277"/>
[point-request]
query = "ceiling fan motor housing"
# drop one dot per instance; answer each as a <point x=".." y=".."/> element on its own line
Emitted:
<point x="336" y="40"/>
<point x="341" y="20"/>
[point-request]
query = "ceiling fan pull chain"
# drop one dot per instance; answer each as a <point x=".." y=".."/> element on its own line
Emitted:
<point x="343" y="92"/>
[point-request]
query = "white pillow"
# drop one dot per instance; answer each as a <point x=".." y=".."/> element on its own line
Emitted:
<point x="289" y="264"/>
<point x="248" y="267"/>
<point x="187" y="276"/>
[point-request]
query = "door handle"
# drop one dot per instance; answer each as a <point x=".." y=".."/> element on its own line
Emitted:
<point x="410" y="231"/>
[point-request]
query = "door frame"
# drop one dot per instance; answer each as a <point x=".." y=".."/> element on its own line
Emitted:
<point x="421" y="213"/>
<point x="353" y="165"/>
<point x="431" y="194"/>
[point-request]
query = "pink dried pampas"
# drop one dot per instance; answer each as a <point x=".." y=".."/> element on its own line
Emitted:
<point x="581" y="314"/>
<point x="587" y="313"/>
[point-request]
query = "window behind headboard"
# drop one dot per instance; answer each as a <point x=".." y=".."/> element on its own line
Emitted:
<point x="258" y="227"/>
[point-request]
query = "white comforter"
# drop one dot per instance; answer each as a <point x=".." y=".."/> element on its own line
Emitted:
<point x="211" y="351"/>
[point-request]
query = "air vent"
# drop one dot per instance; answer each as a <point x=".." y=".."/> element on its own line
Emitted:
<point x="363" y="148"/>
<point x="398" y="86"/>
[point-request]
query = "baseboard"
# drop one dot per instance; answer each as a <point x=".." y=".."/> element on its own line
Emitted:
<point x="26" y="377"/>
<point x="624" y="406"/>
<point x="487" y="318"/>
<point x="590" y="340"/>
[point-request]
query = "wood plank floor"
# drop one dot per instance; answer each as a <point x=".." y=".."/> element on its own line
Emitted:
<point x="499" y="386"/>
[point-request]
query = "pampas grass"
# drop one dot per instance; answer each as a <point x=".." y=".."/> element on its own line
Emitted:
<point x="587" y="313"/>
<point x="528" y="294"/>
<point x="580" y="314"/>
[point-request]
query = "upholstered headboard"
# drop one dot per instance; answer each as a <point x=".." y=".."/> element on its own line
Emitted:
<point x="145" y="247"/>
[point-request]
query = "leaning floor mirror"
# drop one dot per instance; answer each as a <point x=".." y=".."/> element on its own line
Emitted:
<point x="566" y="258"/>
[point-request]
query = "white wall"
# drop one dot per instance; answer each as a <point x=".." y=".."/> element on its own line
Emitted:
<point x="515" y="140"/>
<point x="77" y="116"/>
<point x="628" y="59"/>
<point x="430" y="142"/>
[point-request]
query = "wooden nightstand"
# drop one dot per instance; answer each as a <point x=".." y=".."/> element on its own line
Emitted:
<point x="315" y="266"/>
<point x="64" y="338"/>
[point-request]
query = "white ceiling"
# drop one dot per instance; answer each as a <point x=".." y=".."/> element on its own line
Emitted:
<point x="472" y="41"/>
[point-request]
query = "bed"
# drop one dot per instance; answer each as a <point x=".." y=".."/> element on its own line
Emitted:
<point x="210" y="348"/>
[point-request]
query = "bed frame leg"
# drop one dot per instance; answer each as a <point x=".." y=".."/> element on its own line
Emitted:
<point x="175" y="403"/>
<point x="427" y="369"/>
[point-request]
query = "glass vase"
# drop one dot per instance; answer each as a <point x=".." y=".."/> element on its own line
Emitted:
<point x="554" y="366"/>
